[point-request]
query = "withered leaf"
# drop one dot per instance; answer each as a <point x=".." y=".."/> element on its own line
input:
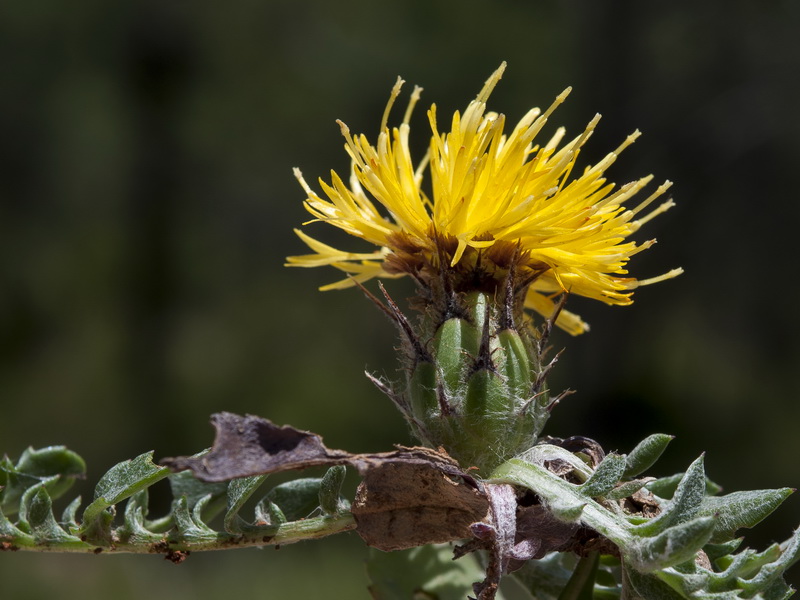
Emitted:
<point x="250" y="445"/>
<point x="401" y="505"/>
<point x="409" y="497"/>
<point x="537" y="525"/>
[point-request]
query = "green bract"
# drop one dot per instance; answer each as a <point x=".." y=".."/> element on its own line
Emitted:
<point x="475" y="383"/>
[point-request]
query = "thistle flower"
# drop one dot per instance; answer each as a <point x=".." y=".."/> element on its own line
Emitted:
<point x="488" y="224"/>
<point x="493" y="196"/>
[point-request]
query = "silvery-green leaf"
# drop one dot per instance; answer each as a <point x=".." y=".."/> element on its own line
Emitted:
<point x="330" y="489"/>
<point x="70" y="515"/>
<point x="646" y="453"/>
<point x="741" y="509"/>
<point x="645" y="586"/>
<point x="664" y="487"/>
<point x="297" y="498"/>
<point x="239" y="490"/>
<point x="122" y="481"/>
<point x="605" y="476"/>
<point x="44" y="528"/>
<point x="626" y="489"/>
<point x="134" y="529"/>
<point x="189" y="529"/>
<point x="674" y="545"/>
<point x="185" y="484"/>
<point x="684" y="503"/>
<point x="11" y="532"/>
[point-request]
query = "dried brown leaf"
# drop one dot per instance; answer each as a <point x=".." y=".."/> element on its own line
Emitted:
<point x="251" y="445"/>
<point x="402" y="505"/>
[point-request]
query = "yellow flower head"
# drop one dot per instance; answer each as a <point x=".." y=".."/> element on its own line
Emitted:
<point x="482" y="203"/>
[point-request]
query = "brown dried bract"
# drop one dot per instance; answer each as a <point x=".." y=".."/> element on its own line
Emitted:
<point x="402" y="505"/>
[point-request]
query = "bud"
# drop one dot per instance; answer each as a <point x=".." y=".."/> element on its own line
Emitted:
<point x="474" y="380"/>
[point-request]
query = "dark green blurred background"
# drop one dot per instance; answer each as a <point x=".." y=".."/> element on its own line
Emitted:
<point x="147" y="205"/>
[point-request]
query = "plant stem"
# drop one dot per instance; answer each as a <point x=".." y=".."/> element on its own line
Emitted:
<point x="173" y="542"/>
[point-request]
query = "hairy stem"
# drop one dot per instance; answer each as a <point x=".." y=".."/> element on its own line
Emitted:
<point x="173" y="541"/>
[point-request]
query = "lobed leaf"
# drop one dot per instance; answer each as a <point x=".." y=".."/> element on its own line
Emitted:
<point x="741" y="509"/>
<point x="644" y="586"/>
<point x="664" y="487"/>
<point x="53" y="460"/>
<point x="685" y="503"/>
<point x="625" y="489"/>
<point x="239" y="491"/>
<point x="25" y="503"/>
<point x="185" y="484"/>
<point x="330" y="489"/>
<point x="646" y="453"/>
<point x="44" y="528"/>
<point x="9" y="531"/>
<point x="297" y="499"/>
<point x="745" y="575"/>
<point x="269" y="512"/>
<point x="770" y="572"/>
<point x="134" y="530"/>
<point x="190" y="528"/>
<point x="122" y="481"/>
<point x="674" y="545"/>
<point x="715" y="551"/>
<point x="605" y="476"/>
<point x="70" y="515"/>
<point x="55" y="466"/>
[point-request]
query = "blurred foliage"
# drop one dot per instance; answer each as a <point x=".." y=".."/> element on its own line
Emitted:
<point x="147" y="203"/>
